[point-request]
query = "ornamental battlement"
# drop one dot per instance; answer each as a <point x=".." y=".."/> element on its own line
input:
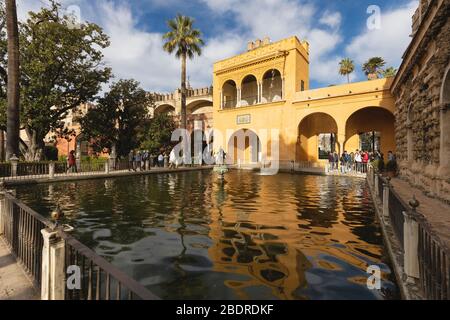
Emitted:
<point x="263" y="49"/>
<point x="176" y="95"/>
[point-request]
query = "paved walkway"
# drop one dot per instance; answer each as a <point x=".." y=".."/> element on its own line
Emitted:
<point x="436" y="212"/>
<point x="14" y="284"/>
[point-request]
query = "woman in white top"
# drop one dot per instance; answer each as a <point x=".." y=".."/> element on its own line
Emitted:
<point x="358" y="160"/>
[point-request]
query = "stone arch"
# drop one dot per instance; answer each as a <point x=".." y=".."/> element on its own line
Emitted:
<point x="272" y="86"/>
<point x="249" y="91"/>
<point x="244" y="147"/>
<point x="444" y="154"/>
<point x="310" y="129"/>
<point x="199" y="107"/>
<point x="229" y="95"/>
<point x="371" y="119"/>
<point x="165" y="109"/>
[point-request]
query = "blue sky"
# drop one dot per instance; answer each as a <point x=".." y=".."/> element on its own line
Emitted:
<point x="334" y="28"/>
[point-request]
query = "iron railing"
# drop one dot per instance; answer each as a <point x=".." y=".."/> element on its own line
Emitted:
<point x="434" y="264"/>
<point x="99" y="279"/>
<point x="396" y="213"/>
<point x="433" y="254"/>
<point x="21" y="227"/>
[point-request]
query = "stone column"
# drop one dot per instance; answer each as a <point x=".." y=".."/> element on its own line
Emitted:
<point x="53" y="263"/>
<point x="14" y="163"/>
<point x="411" y="243"/>
<point x="259" y="98"/>
<point x="238" y="102"/>
<point x="51" y="170"/>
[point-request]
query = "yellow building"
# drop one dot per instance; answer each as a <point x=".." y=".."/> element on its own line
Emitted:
<point x="263" y="95"/>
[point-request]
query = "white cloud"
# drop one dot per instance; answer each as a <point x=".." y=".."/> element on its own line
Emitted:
<point x="331" y="19"/>
<point x="137" y="53"/>
<point x="390" y="41"/>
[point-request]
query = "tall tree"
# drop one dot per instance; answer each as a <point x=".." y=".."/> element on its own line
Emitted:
<point x="389" y="72"/>
<point x="373" y="67"/>
<point x="186" y="42"/>
<point x="120" y="118"/>
<point x="13" y="108"/>
<point x="159" y="133"/>
<point x="346" y="67"/>
<point x="3" y="79"/>
<point x="61" y="68"/>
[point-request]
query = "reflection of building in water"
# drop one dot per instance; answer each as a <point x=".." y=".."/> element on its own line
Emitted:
<point x="278" y="253"/>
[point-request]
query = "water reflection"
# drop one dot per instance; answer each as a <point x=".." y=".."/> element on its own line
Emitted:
<point x="187" y="236"/>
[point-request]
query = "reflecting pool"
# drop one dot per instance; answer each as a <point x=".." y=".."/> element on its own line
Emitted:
<point x="188" y="236"/>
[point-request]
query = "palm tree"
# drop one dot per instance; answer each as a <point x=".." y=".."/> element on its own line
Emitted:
<point x="186" y="42"/>
<point x="347" y="66"/>
<point x="373" y="67"/>
<point x="389" y="72"/>
<point x="12" y="126"/>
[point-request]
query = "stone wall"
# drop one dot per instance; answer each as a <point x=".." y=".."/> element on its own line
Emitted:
<point x="419" y="109"/>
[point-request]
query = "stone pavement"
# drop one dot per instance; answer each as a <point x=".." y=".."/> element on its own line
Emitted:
<point x="14" y="284"/>
<point x="436" y="212"/>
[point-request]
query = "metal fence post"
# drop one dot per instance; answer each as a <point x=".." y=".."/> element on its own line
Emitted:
<point x="386" y="199"/>
<point x="2" y="210"/>
<point x="411" y="243"/>
<point x="53" y="274"/>
<point x="14" y="164"/>
<point x="107" y="166"/>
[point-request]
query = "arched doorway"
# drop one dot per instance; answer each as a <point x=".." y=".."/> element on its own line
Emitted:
<point x="444" y="156"/>
<point x="272" y="88"/>
<point x="165" y="109"/>
<point x="229" y="95"/>
<point x="249" y="91"/>
<point x="370" y="129"/>
<point x="244" y="147"/>
<point x="199" y="115"/>
<point x="316" y="137"/>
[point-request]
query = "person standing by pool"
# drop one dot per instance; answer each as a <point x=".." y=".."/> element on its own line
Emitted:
<point x="358" y="161"/>
<point x="138" y="161"/>
<point x="173" y="163"/>
<point x="71" y="162"/>
<point x="365" y="161"/>
<point x="335" y="161"/>
<point x="161" y="160"/>
<point x="131" y="160"/>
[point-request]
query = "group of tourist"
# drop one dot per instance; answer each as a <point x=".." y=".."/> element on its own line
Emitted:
<point x="137" y="159"/>
<point x="354" y="162"/>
